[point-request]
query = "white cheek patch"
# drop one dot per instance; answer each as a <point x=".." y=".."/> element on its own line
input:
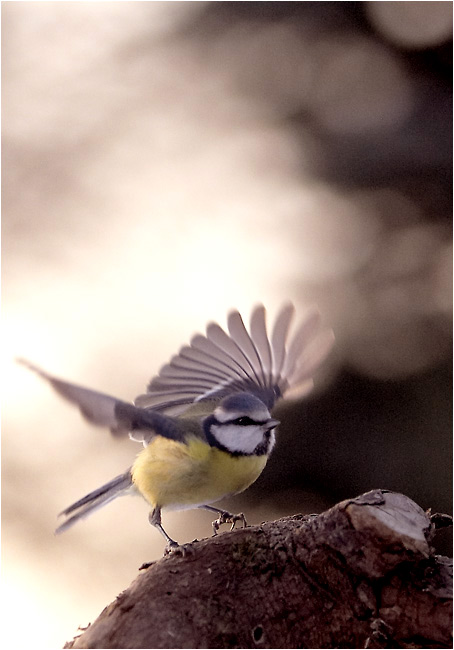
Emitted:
<point x="236" y="438"/>
<point x="271" y="441"/>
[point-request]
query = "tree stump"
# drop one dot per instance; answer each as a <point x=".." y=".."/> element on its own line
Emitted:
<point x="361" y="575"/>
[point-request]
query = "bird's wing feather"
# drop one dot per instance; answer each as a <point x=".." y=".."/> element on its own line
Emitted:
<point x="106" y="411"/>
<point x="279" y="337"/>
<point x="261" y="342"/>
<point x="209" y="369"/>
<point x="221" y="363"/>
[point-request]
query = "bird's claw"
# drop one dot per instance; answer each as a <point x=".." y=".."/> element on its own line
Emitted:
<point x="227" y="518"/>
<point x="173" y="548"/>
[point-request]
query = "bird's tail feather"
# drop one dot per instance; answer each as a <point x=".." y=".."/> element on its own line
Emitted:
<point x="97" y="499"/>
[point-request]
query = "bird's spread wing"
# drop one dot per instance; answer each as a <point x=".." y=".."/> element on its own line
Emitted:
<point x="210" y="368"/>
<point x="221" y="363"/>
<point x="106" y="411"/>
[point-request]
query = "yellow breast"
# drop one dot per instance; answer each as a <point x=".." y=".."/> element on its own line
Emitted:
<point x="175" y="475"/>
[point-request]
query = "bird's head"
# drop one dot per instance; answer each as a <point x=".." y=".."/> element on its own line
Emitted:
<point x="242" y="425"/>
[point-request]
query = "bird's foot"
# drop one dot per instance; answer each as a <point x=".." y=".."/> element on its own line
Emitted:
<point x="227" y="518"/>
<point x="173" y="548"/>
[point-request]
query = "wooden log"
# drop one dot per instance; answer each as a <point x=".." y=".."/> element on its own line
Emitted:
<point x="361" y="575"/>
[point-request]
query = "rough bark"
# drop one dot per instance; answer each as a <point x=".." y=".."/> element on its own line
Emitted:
<point x="361" y="575"/>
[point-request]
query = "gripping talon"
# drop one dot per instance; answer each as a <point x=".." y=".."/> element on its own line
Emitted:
<point x="227" y="518"/>
<point x="173" y="548"/>
<point x="239" y="517"/>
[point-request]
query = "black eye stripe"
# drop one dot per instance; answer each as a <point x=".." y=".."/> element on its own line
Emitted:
<point x="244" y="421"/>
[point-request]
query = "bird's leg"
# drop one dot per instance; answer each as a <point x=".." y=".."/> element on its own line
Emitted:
<point x="225" y="517"/>
<point x="172" y="546"/>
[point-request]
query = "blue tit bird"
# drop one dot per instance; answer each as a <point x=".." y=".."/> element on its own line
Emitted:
<point x="205" y="420"/>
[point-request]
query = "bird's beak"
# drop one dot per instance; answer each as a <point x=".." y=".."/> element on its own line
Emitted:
<point x="272" y="423"/>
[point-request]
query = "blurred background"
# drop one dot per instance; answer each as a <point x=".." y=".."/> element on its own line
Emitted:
<point x="166" y="161"/>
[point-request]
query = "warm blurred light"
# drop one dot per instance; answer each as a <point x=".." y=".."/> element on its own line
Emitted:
<point x="85" y="35"/>
<point x="412" y="24"/>
<point x="358" y="85"/>
<point x="152" y="180"/>
<point x="21" y="338"/>
<point x="278" y="66"/>
<point x="443" y="273"/>
<point x="335" y="237"/>
<point x="48" y="621"/>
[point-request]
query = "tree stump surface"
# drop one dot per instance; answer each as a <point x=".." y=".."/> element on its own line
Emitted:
<point x="362" y="574"/>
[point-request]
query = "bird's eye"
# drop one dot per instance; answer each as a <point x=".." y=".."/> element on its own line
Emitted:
<point x="243" y="421"/>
